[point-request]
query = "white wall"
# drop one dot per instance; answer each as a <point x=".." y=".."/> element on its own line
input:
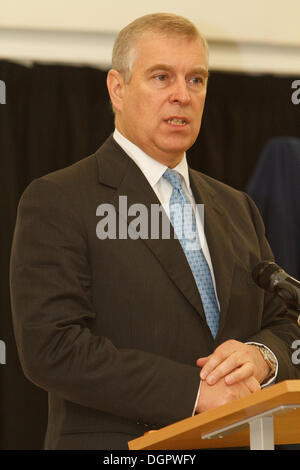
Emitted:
<point x="244" y="35"/>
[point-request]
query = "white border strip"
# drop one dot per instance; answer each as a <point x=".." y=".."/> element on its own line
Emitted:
<point x="94" y="49"/>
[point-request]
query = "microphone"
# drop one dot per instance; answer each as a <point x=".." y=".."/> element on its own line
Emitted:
<point x="270" y="277"/>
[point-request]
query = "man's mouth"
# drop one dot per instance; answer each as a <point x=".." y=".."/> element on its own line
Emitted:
<point x="177" y="121"/>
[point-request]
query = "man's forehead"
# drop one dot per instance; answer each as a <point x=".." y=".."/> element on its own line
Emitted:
<point x="153" y="50"/>
<point x="149" y="38"/>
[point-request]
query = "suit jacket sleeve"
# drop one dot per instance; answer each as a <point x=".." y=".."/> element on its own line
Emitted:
<point x="52" y="311"/>
<point x="277" y="332"/>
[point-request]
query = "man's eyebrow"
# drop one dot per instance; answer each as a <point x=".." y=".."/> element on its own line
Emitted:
<point x="197" y="70"/>
<point x="200" y="71"/>
<point x="159" y="67"/>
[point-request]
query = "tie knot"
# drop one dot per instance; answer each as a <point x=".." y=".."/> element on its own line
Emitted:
<point x="173" y="177"/>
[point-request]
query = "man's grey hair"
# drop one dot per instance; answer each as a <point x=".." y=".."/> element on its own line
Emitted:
<point x="164" y="23"/>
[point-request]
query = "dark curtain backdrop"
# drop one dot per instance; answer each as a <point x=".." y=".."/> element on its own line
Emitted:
<point x="55" y="115"/>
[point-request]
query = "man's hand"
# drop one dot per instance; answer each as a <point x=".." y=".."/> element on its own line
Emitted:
<point x="235" y="362"/>
<point x="219" y="394"/>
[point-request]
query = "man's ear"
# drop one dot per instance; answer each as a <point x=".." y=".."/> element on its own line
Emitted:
<point x="115" y="84"/>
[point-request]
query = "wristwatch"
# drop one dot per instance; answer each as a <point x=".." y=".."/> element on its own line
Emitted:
<point x="269" y="358"/>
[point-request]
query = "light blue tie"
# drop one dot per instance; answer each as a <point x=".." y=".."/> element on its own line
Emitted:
<point x="184" y="223"/>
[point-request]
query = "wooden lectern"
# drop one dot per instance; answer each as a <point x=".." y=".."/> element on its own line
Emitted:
<point x="259" y="421"/>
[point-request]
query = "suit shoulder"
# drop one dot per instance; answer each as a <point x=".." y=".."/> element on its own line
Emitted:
<point x="234" y="201"/>
<point x="64" y="187"/>
<point x="217" y="186"/>
<point x="80" y="173"/>
<point x="70" y="179"/>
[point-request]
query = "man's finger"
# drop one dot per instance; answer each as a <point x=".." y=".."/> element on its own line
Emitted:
<point x="201" y="361"/>
<point x="239" y="374"/>
<point x="234" y="363"/>
<point x="213" y="361"/>
<point x="219" y="355"/>
<point x="253" y="384"/>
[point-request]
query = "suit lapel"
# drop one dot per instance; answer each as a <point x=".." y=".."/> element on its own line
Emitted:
<point x="118" y="171"/>
<point x="218" y="230"/>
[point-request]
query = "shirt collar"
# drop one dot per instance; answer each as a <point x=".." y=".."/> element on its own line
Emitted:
<point x="151" y="168"/>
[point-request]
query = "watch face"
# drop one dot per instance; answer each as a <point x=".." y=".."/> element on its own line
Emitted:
<point x="270" y="360"/>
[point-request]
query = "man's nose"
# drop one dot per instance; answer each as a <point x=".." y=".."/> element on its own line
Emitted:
<point x="180" y="93"/>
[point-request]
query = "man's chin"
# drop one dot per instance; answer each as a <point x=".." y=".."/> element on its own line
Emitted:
<point x="176" y="148"/>
<point x="178" y="142"/>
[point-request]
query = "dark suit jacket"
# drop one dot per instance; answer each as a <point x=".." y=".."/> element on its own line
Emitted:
<point x="112" y="328"/>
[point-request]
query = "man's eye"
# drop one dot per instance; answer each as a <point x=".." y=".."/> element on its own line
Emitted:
<point x="161" y="77"/>
<point x="196" y="80"/>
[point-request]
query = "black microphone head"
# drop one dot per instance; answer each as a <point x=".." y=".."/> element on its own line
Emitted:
<point x="270" y="277"/>
<point x="262" y="272"/>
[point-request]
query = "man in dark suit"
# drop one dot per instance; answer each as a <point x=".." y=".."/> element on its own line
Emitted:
<point x="113" y="322"/>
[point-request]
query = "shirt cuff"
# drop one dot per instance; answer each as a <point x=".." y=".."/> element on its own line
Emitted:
<point x="198" y="394"/>
<point x="274" y="372"/>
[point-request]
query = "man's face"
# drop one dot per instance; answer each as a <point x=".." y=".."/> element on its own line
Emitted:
<point x="160" y="109"/>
